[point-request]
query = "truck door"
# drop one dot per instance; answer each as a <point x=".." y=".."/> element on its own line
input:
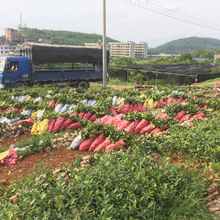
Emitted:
<point x="13" y="71"/>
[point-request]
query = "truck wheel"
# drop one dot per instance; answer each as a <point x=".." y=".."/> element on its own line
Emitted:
<point x="19" y="85"/>
<point x="83" y="85"/>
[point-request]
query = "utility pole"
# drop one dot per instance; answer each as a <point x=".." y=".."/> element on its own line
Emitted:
<point x="104" y="51"/>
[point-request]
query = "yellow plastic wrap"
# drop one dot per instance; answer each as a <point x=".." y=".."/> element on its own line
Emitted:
<point x="29" y="98"/>
<point x="42" y="127"/>
<point x="35" y="114"/>
<point x="152" y="103"/>
<point x="118" y="99"/>
<point x="34" y="128"/>
<point x="146" y="103"/>
<point x="2" y="103"/>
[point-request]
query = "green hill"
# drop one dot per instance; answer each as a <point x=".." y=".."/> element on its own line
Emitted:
<point x="62" y="37"/>
<point x="186" y="45"/>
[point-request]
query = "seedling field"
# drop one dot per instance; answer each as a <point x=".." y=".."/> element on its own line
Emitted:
<point x="110" y="154"/>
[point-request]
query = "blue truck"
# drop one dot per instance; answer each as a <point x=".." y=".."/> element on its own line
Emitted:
<point x="55" y="65"/>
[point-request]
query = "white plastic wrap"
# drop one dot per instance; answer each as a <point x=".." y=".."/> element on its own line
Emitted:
<point x="76" y="142"/>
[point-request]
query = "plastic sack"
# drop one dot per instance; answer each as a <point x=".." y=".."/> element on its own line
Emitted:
<point x="58" y="108"/>
<point x="185" y="117"/>
<point x="102" y="146"/>
<point x="34" y="128"/>
<point x="35" y="114"/>
<point x="81" y="114"/>
<point x="180" y="115"/>
<point x="89" y="102"/>
<point x="185" y="100"/>
<point x="26" y="121"/>
<point x="10" y="159"/>
<point x="52" y="103"/>
<point x="64" y="108"/>
<point x="74" y="126"/>
<point x="93" y="102"/>
<point x="170" y="100"/>
<point x="114" y="100"/>
<point x="26" y="112"/>
<point x="123" y="125"/>
<point x="76" y="142"/>
<point x="107" y="119"/>
<point x="20" y="109"/>
<point x="87" y="116"/>
<point x="93" y="118"/>
<point x="40" y="114"/>
<point x="73" y="114"/>
<point x="143" y="123"/>
<point x="50" y="125"/>
<point x="199" y="115"/>
<point x="117" y="119"/>
<point x="42" y="127"/>
<point x="157" y="130"/>
<point x="147" y="129"/>
<point x="120" y="101"/>
<point x="111" y="146"/>
<point x="98" y="140"/>
<point x="71" y="107"/>
<point x="84" y="146"/>
<point x="120" y="143"/>
<point x="65" y="124"/>
<point x="130" y="128"/>
<point x="162" y="116"/>
<point x="58" y="124"/>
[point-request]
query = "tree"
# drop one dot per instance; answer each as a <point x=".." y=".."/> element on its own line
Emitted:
<point x="208" y="54"/>
<point x="185" y="57"/>
<point x="217" y="51"/>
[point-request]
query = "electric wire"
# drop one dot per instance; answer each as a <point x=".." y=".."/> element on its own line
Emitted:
<point x="179" y="14"/>
<point x="161" y="12"/>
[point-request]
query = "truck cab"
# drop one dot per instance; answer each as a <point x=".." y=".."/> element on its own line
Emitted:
<point x="14" y="72"/>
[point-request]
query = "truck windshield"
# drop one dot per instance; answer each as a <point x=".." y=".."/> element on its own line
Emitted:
<point x="2" y="65"/>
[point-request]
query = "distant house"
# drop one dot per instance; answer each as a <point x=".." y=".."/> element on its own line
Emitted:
<point x="216" y="56"/>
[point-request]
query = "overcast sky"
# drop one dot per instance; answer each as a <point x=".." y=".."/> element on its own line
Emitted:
<point x="135" y="20"/>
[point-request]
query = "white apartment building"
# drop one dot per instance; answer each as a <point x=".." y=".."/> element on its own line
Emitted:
<point x="4" y="50"/>
<point x="120" y="49"/>
<point x="141" y="50"/>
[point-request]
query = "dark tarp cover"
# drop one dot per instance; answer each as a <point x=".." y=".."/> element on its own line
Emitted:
<point x="178" y="72"/>
<point x="63" y="54"/>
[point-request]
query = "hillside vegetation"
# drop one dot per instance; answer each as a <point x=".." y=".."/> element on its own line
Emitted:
<point x="62" y="37"/>
<point x="186" y="45"/>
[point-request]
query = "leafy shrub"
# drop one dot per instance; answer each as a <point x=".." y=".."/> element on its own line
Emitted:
<point x="160" y="82"/>
<point x="140" y="77"/>
<point x="189" y="80"/>
<point x="185" y="57"/>
<point x="120" y="186"/>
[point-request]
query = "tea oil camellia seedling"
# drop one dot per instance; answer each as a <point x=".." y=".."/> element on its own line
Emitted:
<point x="150" y="154"/>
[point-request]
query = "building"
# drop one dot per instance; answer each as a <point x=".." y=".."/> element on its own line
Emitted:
<point x="141" y="50"/>
<point x="10" y="34"/>
<point x="4" y="50"/>
<point x="120" y="49"/>
<point x="46" y="40"/>
<point x="2" y="40"/>
<point x="13" y="37"/>
<point x="216" y="56"/>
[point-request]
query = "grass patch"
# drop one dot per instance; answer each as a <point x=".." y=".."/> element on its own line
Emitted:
<point x="211" y="80"/>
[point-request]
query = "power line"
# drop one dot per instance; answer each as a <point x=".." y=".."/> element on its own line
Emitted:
<point x="161" y="12"/>
<point x="179" y="14"/>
